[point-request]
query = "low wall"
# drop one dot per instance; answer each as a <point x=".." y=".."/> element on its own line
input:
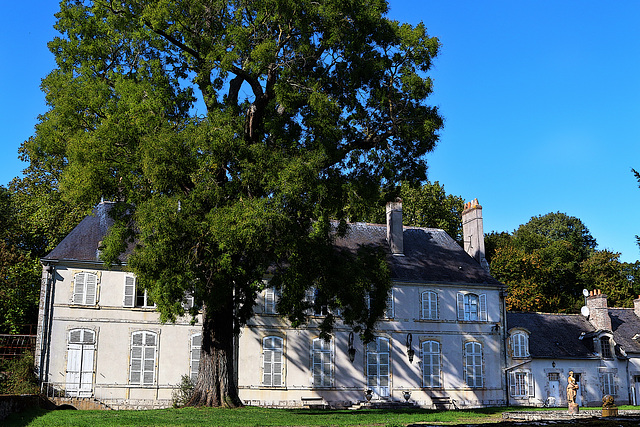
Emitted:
<point x="10" y="404"/>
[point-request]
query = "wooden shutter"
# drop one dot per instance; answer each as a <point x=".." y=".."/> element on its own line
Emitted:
<point x="78" y="288"/>
<point x="91" y="283"/>
<point x="460" y="306"/>
<point x="129" y="291"/>
<point x="482" y="315"/>
<point x="530" y="383"/>
<point x="512" y="383"/>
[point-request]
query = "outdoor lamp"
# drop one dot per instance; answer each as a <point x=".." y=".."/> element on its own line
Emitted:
<point x="410" y="351"/>
<point x="351" y="350"/>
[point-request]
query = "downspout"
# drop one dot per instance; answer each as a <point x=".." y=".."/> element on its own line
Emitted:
<point x="48" y="272"/>
<point x="503" y="298"/>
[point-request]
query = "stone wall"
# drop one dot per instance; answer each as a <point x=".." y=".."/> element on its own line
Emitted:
<point x="10" y="404"/>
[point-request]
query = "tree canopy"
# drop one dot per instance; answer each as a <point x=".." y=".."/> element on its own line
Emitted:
<point x="548" y="261"/>
<point x="229" y="135"/>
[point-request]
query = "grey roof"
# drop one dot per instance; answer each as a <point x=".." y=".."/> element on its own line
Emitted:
<point x="430" y="255"/>
<point x="555" y="336"/>
<point x="625" y="325"/>
<point x="81" y="244"/>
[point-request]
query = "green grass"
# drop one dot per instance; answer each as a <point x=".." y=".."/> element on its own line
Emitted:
<point x="251" y="416"/>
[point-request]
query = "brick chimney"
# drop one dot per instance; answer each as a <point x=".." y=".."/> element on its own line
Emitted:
<point x="473" y="233"/>
<point x="636" y="306"/>
<point x="598" y="310"/>
<point x="394" y="227"/>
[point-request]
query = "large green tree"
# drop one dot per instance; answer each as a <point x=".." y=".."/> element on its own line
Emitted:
<point x="229" y="134"/>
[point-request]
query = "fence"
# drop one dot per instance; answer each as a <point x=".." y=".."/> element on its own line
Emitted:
<point x="13" y="346"/>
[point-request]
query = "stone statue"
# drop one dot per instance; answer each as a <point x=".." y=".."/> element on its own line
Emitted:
<point x="572" y="388"/>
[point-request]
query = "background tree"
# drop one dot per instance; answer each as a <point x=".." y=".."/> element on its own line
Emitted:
<point x="548" y="261"/>
<point x="425" y="205"/>
<point x="305" y="110"/>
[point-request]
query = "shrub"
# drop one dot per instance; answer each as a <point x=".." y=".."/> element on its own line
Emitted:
<point x="17" y="376"/>
<point x="183" y="393"/>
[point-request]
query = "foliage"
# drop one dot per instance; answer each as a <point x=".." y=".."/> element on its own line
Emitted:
<point x="17" y="376"/>
<point x="254" y="416"/>
<point x="304" y="111"/>
<point x="548" y="261"/>
<point x="426" y="205"/>
<point x="183" y="393"/>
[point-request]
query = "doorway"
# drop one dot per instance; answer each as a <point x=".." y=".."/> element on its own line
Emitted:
<point x="378" y="367"/>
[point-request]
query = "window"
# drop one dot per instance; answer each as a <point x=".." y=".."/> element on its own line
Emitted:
<point x="272" y="362"/>
<point x="270" y="301"/>
<point x="431" y="364"/>
<point x="473" y="364"/>
<point x="85" y="287"/>
<point x="608" y="384"/>
<point x="429" y="305"/>
<point x="317" y="309"/>
<point x="554" y="376"/>
<point x="135" y="296"/>
<point x="80" y="356"/>
<point x="520" y="344"/>
<point x="605" y="347"/>
<point x="194" y="360"/>
<point x="388" y="313"/>
<point x="143" y="358"/>
<point x="521" y="384"/>
<point x="321" y="361"/>
<point x="378" y="366"/>
<point x="472" y="307"/>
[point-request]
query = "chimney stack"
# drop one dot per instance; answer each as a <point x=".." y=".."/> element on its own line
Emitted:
<point x="636" y="306"/>
<point x="394" y="227"/>
<point x="598" y="311"/>
<point x="473" y="232"/>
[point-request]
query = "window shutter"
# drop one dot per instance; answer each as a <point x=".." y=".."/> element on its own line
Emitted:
<point x="483" y="308"/>
<point x="460" y="306"/>
<point x="530" y="383"/>
<point x="91" y="283"/>
<point x="196" y="346"/>
<point x="75" y="336"/>
<point x="512" y="383"/>
<point x="389" y="310"/>
<point x="78" y="289"/>
<point x="129" y="291"/>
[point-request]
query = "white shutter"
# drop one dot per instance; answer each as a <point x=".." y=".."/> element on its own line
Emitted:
<point x="129" y="291"/>
<point x="74" y="363"/>
<point x="78" y="289"/>
<point x="91" y="288"/>
<point x="483" y="308"/>
<point x="530" y="383"/>
<point x="196" y="347"/>
<point x="460" y="306"/>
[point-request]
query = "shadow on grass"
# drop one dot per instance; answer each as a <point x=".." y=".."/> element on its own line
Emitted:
<point x="24" y="418"/>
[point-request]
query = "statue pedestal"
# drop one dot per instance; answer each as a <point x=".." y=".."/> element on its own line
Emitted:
<point x="573" y="408"/>
<point x="610" y="411"/>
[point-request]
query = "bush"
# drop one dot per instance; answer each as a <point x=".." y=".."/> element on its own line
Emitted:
<point x="17" y="376"/>
<point x="183" y="393"/>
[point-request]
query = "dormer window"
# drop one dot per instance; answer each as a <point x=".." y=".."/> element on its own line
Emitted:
<point x="520" y="345"/>
<point x="605" y="347"/>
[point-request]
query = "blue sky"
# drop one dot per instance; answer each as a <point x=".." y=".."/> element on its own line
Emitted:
<point x="541" y="101"/>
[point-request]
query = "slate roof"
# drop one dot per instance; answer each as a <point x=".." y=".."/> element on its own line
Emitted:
<point x="555" y="336"/>
<point x="625" y="325"/>
<point x="430" y="255"/>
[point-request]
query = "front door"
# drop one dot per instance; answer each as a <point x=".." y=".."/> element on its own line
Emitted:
<point x="636" y="384"/>
<point x="378" y="367"/>
<point x="80" y="353"/>
<point x="554" y="389"/>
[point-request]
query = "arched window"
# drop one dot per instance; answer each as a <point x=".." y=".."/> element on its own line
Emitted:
<point x="80" y="357"/>
<point x="473" y="364"/>
<point x="272" y="362"/>
<point x="142" y="368"/>
<point x="429" y="305"/>
<point x="431" y="364"/>
<point x="472" y="307"/>
<point x="520" y="344"/>
<point x="322" y="363"/>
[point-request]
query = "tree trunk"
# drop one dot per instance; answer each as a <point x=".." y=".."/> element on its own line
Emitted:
<point x="216" y="385"/>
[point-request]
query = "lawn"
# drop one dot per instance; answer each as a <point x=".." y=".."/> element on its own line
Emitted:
<point x="251" y="416"/>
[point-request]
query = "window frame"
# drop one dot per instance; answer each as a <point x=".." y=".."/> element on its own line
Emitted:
<point x="325" y="351"/>
<point x="272" y="363"/>
<point x="519" y="345"/>
<point x="434" y="380"/>
<point x="606" y="347"/>
<point x="473" y="349"/>
<point x="521" y="384"/>
<point x="81" y="294"/>
<point x="270" y="307"/>
<point x="608" y="381"/>
<point x="464" y="309"/>
<point x="430" y="308"/>
<point x="143" y="359"/>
